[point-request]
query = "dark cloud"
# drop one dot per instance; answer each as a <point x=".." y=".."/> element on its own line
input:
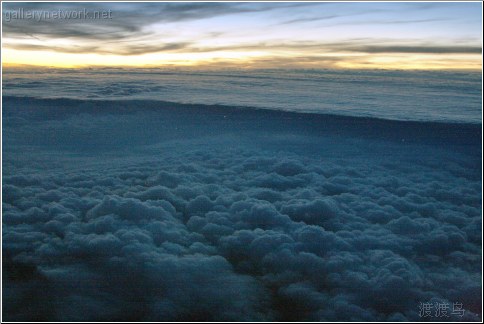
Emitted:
<point x="356" y="45"/>
<point x="127" y="20"/>
<point x="222" y="222"/>
<point x="416" y="49"/>
<point x="124" y="33"/>
<point x="133" y="49"/>
<point x="309" y="19"/>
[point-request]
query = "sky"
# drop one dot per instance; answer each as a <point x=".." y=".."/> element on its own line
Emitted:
<point x="415" y="35"/>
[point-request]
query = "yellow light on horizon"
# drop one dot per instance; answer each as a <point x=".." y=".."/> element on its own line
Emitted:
<point x="416" y="62"/>
<point x="69" y="60"/>
<point x="241" y="58"/>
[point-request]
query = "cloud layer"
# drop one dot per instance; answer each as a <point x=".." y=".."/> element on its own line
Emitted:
<point x="232" y="217"/>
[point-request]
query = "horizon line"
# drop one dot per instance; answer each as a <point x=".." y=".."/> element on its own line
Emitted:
<point x="233" y="67"/>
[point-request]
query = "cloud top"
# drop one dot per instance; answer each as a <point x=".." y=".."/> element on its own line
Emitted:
<point x="231" y="219"/>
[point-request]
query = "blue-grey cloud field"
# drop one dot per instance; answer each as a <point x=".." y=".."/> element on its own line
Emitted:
<point x="149" y="211"/>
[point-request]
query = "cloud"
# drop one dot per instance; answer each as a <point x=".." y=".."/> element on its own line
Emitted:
<point x="126" y="32"/>
<point x="217" y="226"/>
<point x="127" y="20"/>
<point x="123" y="50"/>
<point x="309" y="19"/>
<point x="417" y="49"/>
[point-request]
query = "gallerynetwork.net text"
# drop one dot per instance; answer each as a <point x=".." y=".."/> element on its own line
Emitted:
<point x="40" y="15"/>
